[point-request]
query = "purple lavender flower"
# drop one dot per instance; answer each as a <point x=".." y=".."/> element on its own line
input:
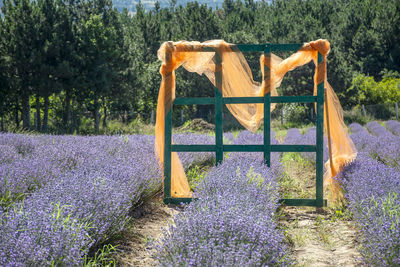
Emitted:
<point x="232" y="223"/>
<point x="293" y="137"/>
<point x="377" y="129"/>
<point x="356" y="127"/>
<point x="393" y="126"/>
<point x="382" y="145"/>
<point x="373" y="194"/>
<point x="249" y="138"/>
<point x="190" y="158"/>
<point x="85" y="189"/>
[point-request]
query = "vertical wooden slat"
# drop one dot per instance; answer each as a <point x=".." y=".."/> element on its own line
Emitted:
<point x="267" y="108"/>
<point x="320" y="141"/>
<point x="167" y="154"/>
<point x="167" y="141"/>
<point x="219" y="153"/>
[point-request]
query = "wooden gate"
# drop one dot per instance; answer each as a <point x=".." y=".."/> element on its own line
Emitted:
<point x="219" y="148"/>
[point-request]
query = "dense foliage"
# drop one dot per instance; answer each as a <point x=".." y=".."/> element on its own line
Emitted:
<point x="66" y="64"/>
<point x="365" y="90"/>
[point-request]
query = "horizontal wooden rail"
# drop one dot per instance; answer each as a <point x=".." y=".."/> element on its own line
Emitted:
<point x="194" y="101"/>
<point x="294" y="99"/>
<point x="293" y="148"/>
<point x="289" y="202"/>
<point x="285" y="47"/>
<point x="302" y="202"/>
<point x="251" y="48"/>
<point x="178" y="200"/>
<point x="243" y="148"/>
<point x="244" y="100"/>
<point x="193" y="148"/>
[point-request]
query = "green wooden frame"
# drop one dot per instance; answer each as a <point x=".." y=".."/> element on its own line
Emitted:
<point x="219" y="148"/>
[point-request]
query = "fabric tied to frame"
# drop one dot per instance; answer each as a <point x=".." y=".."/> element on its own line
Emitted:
<point x="217" y="56"/>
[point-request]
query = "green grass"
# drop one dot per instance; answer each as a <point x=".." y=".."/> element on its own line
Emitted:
<point x="197" y="172"/>
<point x="298" y="177"/>
<point x="103" y="257"/>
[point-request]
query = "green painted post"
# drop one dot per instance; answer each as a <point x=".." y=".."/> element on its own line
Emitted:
<point x="167" y="147"/>
<point x="167" y="155"/>
<point x="219" y="153"/>
<point x="267" y="109"/>
<point x="320" y="142"/>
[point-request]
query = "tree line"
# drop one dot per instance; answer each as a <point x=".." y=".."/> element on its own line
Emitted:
<point x="68" y="63"/>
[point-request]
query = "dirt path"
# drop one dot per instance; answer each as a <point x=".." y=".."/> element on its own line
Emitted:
<point x="320" y="239"/>
<point x="136" y="248"/>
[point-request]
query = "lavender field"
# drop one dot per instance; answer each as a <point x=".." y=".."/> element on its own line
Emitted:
<point x="62" y="196"/>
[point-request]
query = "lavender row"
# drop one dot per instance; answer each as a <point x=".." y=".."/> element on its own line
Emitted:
<point x="29" y="162"/>
<point x="373" y="192"/>
<point x="190" y="158"/>
<point x="393" y="126"/>
<point x="232" y="222"/>
<point x="294" y="137"/>
<point x="378" y="130"/>
<point x="246" y="138"/>
<point x="82" y="205"/>
<point x="381" y="145"/>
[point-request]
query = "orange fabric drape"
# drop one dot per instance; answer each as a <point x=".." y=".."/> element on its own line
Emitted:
<point x="238" y="82"/>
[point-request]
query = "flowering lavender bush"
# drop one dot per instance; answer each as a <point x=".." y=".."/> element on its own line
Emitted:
<point x="190" y="158"/>
<point x="393" y="126"/>
<point x="294" y="137"/>
<point x="373" y="193"/>
<point x="249" y="138"/>
<point x="98" y="180"/>
<point x="228" y="138"/>
<point x="377" y="129"/>
<point x="382" y="145"/>
<point x="356" y="128"/>
<point x="232" y="223"/>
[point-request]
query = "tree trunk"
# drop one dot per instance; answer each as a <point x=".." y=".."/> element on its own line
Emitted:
<point x="26" y="120"/>
<point x="123" y="117"/>
<point x="105" y="114"/>
<point x="46" y="113"/>
<point x="2" y="117"/>
<point x="67" y="115"/>
<point x="38" y="120"/>
<point x="96" y="116"/>
<point x="16" y="113"/>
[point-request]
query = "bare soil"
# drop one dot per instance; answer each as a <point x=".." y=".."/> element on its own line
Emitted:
<point x="136" y="248"/>
<point x="318" y="239"/>
<point x="196" y="125"/>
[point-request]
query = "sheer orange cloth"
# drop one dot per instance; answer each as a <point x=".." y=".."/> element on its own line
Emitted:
<point x="204" y="58"/>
